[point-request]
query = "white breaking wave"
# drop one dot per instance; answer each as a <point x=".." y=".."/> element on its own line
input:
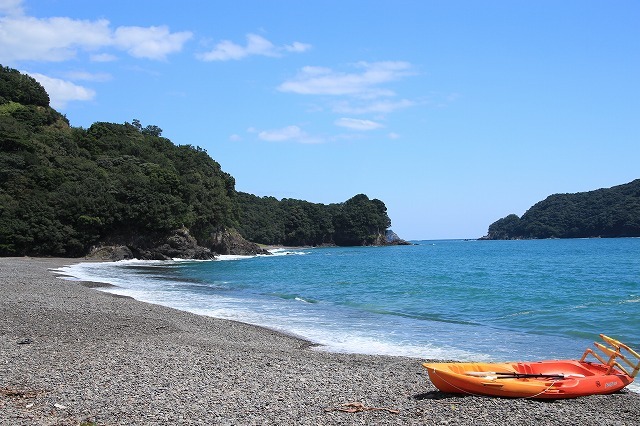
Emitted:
<point x="287" y="252"/>
<point x="224" y="257"/>
<point x="312" y="323"/>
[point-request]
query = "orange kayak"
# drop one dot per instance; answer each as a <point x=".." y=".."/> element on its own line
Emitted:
<point x="551" y="379"/>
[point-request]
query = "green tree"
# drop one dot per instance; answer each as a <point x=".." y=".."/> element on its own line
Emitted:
<point x="360" y="221"/>
<point x="21" y="88"/>
<point x="608" y="212"/>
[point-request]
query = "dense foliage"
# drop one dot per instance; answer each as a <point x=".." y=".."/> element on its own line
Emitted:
<point x="610" y="212"/>
<point x="358" y="221"/>
<point x="65" y="189"/>
<point x="21" y="88"/>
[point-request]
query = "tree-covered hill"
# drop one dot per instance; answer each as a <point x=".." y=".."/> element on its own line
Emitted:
<point x="358" y="221"/>
<point x="65" y="189"/>
<point x="609" y="212"/>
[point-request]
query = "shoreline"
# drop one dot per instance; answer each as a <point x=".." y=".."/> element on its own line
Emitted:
<point x="74" y="354"/>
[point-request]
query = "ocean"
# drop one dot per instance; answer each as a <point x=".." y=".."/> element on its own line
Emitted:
<point x="445" y="299"/>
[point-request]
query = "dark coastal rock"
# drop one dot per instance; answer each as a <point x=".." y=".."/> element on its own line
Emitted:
<point x="180" y="244"/>
<point x="392" y="239"/>
<point x="177" y="244"/>
<point x="229" y="241"/>
<point x="386" y="238"/>
<point x="110" y="253"/>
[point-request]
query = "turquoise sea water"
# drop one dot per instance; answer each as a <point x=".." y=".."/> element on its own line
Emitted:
<point x="463" y="300"/>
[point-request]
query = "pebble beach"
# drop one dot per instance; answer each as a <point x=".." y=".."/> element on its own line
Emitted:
<point x="72" y="355"/>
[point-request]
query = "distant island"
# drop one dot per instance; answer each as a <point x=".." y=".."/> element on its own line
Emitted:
<point x="607" y="213"/>
<point x="118" y="191"/>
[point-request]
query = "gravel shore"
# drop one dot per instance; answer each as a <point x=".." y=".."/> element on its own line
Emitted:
<point x="72" y="355"/>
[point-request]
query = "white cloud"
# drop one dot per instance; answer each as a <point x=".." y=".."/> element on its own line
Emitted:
<point x="86" y="76"/>
<point x="103" y="57"/>
<point x="227" y="50"/>
<point x="378" y="107"/>
<point x="60" y="39"/>
<point x="355" y="124"/>
<point x="325" y="81"/>
<point x="150" y="42"/>
<point x="289" y="133"/>
<point x="11" y="7"/>
<point x="297" y="47"/>
<point x="279" y="135"/>
<point x="51" y="39"/>
<point x="256" y="45"/>
<point x="61" y="92"/>
<point x="394" y="135"/>
<point x="361" y="90"/>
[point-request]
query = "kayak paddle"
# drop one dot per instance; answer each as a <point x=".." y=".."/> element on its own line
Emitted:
<point x="514" y="375"/>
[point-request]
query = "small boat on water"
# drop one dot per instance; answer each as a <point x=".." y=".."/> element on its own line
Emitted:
<point x="615" y="366"/>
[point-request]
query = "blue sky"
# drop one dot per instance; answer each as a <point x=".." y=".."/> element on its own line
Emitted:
<point x="454" y="113"/>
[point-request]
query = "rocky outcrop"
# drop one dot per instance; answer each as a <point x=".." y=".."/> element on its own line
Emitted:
<point x="178" y="244"/>
<point x="229" y="241"/>
<point x="387" y="238"/>
<point x="110" y="253"/>
<point x="392" y="239"/>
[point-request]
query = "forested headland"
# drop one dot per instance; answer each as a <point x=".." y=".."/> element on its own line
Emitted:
<point x="356" y="222"/>
<point x="66" y="190"/>
<point x="608" y="212"/>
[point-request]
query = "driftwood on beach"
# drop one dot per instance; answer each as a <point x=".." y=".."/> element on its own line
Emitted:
<point x="74" y="355"/>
